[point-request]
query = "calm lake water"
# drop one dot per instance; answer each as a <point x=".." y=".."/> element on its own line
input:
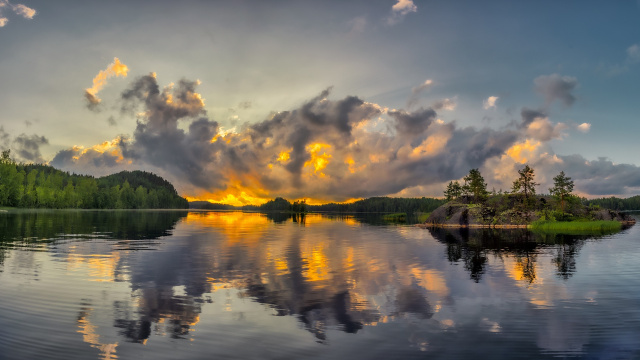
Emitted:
<point x="233" y="285"/>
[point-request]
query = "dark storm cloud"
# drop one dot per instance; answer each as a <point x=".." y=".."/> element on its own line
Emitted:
<point x="529" y="115"/>
<point x="602" y="177"/>
<point x="413" y="123"/>
<point x="556" y="87"/>
<point x="323" y="149"/>
<point x="27" y="147"/>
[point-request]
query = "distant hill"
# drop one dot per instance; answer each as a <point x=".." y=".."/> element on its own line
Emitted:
<point x="137" y="178"/>
<point x="43" y="186"/>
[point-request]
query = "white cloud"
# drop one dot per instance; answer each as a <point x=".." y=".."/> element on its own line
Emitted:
<point x="490" y="102"/>
<point x="417" y="90"/>
<point x="584" y="127"/>
<point x="426" y="84"/>
<point x="633" y="53"/>
<point x="24" y="11"/>
<point x="19" y="9"/>
<point x="400" y="10"/>
<point x="445" y="104"/>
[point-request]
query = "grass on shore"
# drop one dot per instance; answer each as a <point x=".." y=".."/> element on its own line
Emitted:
<point x="397" y="217"/>
<point x="600" y="226"/>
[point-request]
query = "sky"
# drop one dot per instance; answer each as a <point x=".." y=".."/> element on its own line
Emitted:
<point x="244" y="101"/>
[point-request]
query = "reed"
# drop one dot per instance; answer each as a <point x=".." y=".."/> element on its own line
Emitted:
<point x="599" y="226"/>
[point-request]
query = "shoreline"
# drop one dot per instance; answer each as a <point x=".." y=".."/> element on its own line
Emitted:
<point x="497" y="226"/>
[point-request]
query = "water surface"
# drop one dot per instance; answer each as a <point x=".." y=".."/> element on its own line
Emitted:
<point x="233" y="285"/>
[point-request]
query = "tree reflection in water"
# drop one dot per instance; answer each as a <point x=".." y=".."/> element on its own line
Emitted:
<point x="329" y="272"/>
<point x="471" y="247"/>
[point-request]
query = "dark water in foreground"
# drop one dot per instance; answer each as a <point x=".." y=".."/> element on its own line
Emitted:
<point x="216" y="285"/>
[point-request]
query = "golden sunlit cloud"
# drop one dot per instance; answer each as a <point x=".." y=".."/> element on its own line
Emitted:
<point x="116" y="68"/>
<point x="523" y="151"/>
<point x="318" y="161"/>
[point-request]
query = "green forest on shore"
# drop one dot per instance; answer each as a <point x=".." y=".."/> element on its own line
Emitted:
<point x="42" y="186"/>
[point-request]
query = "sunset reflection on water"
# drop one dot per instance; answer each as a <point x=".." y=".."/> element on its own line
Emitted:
<point x="217" y="280"/>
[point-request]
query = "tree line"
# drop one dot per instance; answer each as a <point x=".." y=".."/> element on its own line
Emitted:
<point x="615" y="203"/>
<point x="42" y="186"/>
<point x="369" y="205"/>
<point x="475" y="188"/>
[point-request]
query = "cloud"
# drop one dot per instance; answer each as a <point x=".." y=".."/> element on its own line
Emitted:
<point x="584" y="127"/>
<point x="23" y="147"/>
<point x="425" y="85"/>
<point x="325" y="149"/>
<point x="416" y="91"/>
<point x="24" y="11"/>
<point x="445" y="104"/>
<point x="633" y="53"/>
<point x="27" y="147"/>
<point x="556" y="87"/>
<point x="536" y="125"/>
<point x="19" y="9"/>
<point x="490" y="102"/>
<point x="99" y="81"/>
<point x="400" y="10"/>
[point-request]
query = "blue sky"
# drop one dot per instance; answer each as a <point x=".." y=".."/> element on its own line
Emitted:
<point x="256" y="58"/>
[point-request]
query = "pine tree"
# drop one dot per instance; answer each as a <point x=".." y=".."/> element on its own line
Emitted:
<point x="562" y="188"/>
<point x="525" y="184"/>
<point x="474" y="185"/>
<point x="453" y="191"/>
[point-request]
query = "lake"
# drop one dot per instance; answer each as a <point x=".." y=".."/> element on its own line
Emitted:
<point x="233" y="285"/>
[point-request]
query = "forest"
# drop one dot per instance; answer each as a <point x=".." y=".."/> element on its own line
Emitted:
<point x="615" y="203"/>
<point x="42" y="186"/>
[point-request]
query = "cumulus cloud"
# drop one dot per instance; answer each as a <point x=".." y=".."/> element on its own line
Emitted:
<point x="490" y="102"/>
<point x="116" y="68"/>
<point x="537" y="125"/>
<point x="584" y="127"/>
<point x="326" y="149"/>
<point x="400" y="10"/>
<point x="19" y="9"/>
<point x="556" y="87"/>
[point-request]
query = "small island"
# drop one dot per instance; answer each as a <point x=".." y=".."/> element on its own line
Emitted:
<point x="470" y="205"/>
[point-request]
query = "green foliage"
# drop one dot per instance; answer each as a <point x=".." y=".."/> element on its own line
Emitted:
<point x="562" y="188"/>
<point x="453" y="191"/>
<point x="397" y="217"/>
<point x="475" y="186"/>
<point x="382" y="205"/>
<point x="42" y="186"/>
<point x="299" y="206"/>
<point x="577" y="226"/>
<point x="277" y="204"/>
<point x="615" y="203"/>
<point x="525" y="183"/>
